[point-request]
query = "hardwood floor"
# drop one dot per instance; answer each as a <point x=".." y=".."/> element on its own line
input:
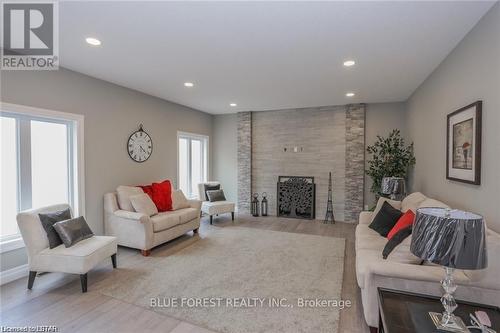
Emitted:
<point x="56" y="298"/>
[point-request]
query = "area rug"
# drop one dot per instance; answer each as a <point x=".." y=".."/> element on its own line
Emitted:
<point x="240" y="280"/>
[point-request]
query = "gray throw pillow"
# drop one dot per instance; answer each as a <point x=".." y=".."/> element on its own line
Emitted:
<point x="217" y="195"/>
<point x="48" y="220"/>
<point x="72" y="231"/>
<point x="209" y="187"/>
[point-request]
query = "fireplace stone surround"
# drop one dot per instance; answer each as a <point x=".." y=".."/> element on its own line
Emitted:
<point x="312" y="142"/>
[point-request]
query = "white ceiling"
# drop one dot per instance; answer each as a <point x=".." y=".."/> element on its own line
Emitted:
<point x="264" y="55"/>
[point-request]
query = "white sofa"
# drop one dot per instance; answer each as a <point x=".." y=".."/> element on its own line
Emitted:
<point x="216" y="207"/>
<point x="77" y="259"/>
<point x="403" y="271"/>
<point x="143" y="232"/>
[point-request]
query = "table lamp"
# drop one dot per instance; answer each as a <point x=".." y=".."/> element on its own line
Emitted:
<point x="394" y="187"/>
<point x="452" y="239"/>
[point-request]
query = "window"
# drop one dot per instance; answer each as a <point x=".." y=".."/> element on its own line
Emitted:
<point x="192" y="162"/>
<point x="41" y="163"/>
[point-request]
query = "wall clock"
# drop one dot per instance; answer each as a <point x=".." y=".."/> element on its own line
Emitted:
<point x="140" y="145"/>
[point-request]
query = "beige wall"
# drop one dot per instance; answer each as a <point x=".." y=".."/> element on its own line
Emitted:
<point x="111" y="114"/>
<point x="381" y="119"/>
<point x="471" y="72"/>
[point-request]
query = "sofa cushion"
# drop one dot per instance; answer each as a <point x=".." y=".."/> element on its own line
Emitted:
<point x="187" y="214"/>
<point x="179" y="200"/>
<point x="402" y="254"/>
<point x="78" y="259"/>
<point x="380" y="203"/>
<point x="165" y="220"/>
<point x="385" y="219"/>
<point x="432" y="203"/>
<point x="412" y="201"/>
<point x="143" y="203"/>
<point x="365" y="258"/>
<point x="124" y="193"/>
<point x="368" y="239"/>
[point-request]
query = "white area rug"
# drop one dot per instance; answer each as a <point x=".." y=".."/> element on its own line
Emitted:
<point x="241" y="263"/>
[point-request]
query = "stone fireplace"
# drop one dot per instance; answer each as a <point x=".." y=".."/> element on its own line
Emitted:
<point x="312" y="142"/>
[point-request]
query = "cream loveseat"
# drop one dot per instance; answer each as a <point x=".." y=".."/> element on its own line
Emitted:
<point x="143" y="232"/>
<point x="403" y="271"/>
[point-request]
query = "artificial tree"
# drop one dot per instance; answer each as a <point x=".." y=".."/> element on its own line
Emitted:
<point x="390" y="158"/>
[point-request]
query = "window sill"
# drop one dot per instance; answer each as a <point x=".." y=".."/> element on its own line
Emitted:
<point x="11" y="244"/>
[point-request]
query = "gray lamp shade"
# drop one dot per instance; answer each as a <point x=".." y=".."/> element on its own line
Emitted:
<point x="393" y="185"/>
<point x="450" y="238"/>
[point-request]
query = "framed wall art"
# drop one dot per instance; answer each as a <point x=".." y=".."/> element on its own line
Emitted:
<point x="463" y="152"/>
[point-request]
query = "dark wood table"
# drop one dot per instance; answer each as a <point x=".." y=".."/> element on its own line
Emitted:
<point x="405" y="312"/>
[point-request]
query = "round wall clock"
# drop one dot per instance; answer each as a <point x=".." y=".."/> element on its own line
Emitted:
<point x="140" y="145"/>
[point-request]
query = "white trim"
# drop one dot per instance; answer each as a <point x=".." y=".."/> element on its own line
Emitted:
<point x="13" y="274"/>
<point x="78" y="142"/>
<point x="206" y="146"/>
<point x="11" y="244"/>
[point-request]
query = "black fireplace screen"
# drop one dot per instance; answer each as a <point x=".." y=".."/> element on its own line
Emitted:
<point x="296" y="197"/>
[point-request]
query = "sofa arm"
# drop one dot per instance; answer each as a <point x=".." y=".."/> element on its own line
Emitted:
<point x="195" y="204"/>
<point x="132" y="229"/>
<point x="365" y="217"/>
<point x="124" y="214"/>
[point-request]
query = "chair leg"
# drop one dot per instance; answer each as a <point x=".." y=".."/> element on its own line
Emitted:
<point x="232" y="216"/>
<point x="113" y="260"/>
<point x="31" y="279"/>
<point x="83" y="281"/>
<point x="145" y="253"/>
<point x="211" y="219"/>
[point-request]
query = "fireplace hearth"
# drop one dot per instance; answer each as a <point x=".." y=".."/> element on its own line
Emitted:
<point x="296" y="197"/>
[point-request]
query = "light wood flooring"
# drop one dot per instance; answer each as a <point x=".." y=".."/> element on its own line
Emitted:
<point x="56" y="298"/>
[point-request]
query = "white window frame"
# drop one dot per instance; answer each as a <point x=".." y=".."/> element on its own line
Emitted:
<point x="206" y="148"/>
<point x="76" y="160"/>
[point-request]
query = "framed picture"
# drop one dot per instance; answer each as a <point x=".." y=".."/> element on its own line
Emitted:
<point x="463" y="155"/>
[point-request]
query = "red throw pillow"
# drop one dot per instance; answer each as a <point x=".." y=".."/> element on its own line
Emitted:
<point x="148" y="189"/>
<point x="404" y="221"/>
<point x="162" y="195"/>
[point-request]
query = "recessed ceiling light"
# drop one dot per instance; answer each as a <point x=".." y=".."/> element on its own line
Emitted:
<point x="350" y="94"/>
<point x="188" y="84"/>
<point x="349" y="63"/>
<point x="93" y="41"/>
<point x="233" y="104"/>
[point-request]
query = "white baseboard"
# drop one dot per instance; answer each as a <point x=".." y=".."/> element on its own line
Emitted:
<point x="13" y="274"/>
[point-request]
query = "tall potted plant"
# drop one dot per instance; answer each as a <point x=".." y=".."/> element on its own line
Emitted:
<point x="390" y="158"/>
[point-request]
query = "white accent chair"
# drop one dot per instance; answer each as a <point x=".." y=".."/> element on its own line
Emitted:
<point x="77" y="259"/>
<point x="216" y="207"/>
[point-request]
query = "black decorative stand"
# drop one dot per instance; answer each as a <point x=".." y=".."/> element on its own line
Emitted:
<point x="329" y="218"/>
